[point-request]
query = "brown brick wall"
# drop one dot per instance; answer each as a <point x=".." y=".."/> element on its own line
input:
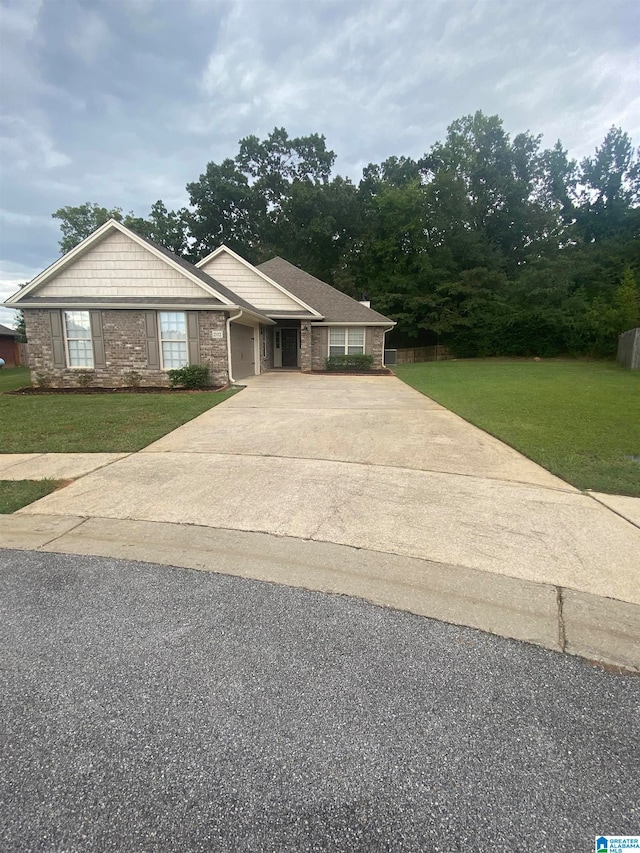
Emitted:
<point x="125" y="346"/>
<point x="320" y="345"/>
<point x="306" y="346"/>
<point x="213" y="352"/>
<point x="377" y="345"/>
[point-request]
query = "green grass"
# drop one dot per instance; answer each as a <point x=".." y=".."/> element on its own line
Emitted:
<point x="14" y="377"/>
<point x="15" y="494"/>
<point x="112" y="423"/>
<point x="578" y="419"/>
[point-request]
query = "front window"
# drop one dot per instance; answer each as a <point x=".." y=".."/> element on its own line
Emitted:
<point x="173" y="339"/>
<point x="344" y="341"/>
<point x="77" y="326"/>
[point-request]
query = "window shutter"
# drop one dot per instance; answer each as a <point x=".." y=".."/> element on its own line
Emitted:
<point x="97" y="339"/>
<point x="368" y="341"/>
<point x="57" y="339"/>
<point x="193" y="337"/>
<point x="153" y="352"/>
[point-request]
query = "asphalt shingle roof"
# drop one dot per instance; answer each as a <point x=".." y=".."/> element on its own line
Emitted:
<point x="4" y="330"/>
<point x="335" y="306"/>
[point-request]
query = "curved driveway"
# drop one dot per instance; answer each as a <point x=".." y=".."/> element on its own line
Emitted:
<point x="371" y="464"/>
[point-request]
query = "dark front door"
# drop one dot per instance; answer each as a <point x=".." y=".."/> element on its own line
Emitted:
<point x="289" y="347"/>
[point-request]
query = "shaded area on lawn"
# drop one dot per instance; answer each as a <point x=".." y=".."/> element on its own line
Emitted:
<point x="578" y="419"/>
<point x="101" y="423"/>
<point x="14" y="494"/>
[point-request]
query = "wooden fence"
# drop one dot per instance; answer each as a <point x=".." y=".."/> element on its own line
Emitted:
<point x="413" y="355"/>
<point x="629" y="349"/>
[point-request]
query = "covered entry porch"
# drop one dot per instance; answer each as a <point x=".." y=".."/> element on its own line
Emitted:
<point x="287" y="345"/>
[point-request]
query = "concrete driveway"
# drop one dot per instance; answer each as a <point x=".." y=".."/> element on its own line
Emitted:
<point x="370" y="464"/>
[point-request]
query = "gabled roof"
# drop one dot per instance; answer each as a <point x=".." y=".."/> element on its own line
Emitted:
<point x="305" y="309"/>
<point x="4" y="330"/>
<point x="204" y="277"/>
<point x="332" y="304"/>
<point x="212" y="289"/>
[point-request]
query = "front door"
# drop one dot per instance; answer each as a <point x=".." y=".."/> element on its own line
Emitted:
<point x="289" y="347"/>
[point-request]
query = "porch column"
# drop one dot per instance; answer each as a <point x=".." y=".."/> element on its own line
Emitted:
<point x="305" y="346"/>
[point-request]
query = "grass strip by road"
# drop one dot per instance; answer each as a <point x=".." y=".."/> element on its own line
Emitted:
<point x="101" y="423"/>
<point x="578" y="419"/>
<point x="14" y="494"/>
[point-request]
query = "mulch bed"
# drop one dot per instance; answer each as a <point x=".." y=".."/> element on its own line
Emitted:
<point x="29" y="392"/>
<point x="379" y="372"/>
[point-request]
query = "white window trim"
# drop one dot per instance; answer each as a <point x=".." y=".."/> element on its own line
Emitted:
<point x="347" y="329"/>
<point x="162" y="340"/>
<point x="67" y="354"/>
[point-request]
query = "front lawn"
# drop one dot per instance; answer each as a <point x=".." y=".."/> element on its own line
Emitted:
<point x="12" y="378"/>
<point x="578" y="419"/>
<point x="14" y="494"/>
<point x="107" y="423"/>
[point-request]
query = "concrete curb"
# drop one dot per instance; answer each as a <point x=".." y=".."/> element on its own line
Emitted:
<point x="562" y="619"/>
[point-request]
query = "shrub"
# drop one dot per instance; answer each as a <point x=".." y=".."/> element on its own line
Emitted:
<point x="191" y="376"/>
<point x="131" y="378"/>
<point x="356" y="361"/>
<point x="84" y="378"/>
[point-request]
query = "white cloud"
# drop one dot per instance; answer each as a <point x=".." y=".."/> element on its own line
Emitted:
<point x="8" y="286"/>
<point x="20" y="19"/>
<point x="27" y="146"/>
<point x="90" y="36"/>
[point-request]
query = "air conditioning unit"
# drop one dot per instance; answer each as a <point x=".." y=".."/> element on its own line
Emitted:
<point x="391" y="357"/>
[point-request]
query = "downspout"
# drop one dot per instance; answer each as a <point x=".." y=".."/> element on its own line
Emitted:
<point x="229" y="319"/>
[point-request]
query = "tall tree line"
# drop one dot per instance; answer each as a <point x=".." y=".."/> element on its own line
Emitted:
<point x="488" y="243"/>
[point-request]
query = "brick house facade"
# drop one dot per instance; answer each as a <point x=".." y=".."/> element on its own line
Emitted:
<point x="120" y="310"/>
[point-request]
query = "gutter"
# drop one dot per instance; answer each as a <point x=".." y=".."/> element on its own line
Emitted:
<point x="229" y="319"/>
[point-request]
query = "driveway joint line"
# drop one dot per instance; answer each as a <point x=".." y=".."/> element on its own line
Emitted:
<point x="571" y="490"/>
<point x="611" y="509"/>
<point x="562" y="635"/>
<point x="59" y="535"/>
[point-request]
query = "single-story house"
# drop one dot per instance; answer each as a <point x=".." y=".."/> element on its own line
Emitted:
<point x="118" y="303"/>
<point x="10" y="347"/>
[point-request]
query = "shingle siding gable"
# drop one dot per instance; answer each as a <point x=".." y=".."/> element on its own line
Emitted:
<point x="115" y="267"/>
<point x="249" y="285"/>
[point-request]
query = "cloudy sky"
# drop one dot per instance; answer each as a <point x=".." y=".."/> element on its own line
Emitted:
<point x="122" y="102"/>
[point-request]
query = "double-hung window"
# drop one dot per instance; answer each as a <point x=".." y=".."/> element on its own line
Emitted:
<point x="77" y="327"/>
<point x="346" y="341"/>
<point x="173" y="339"/>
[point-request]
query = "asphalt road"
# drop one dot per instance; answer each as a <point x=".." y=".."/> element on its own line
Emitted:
<point x="160" y="709"/>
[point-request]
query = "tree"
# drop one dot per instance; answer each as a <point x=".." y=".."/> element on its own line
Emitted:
<point x="78" y="222"/>
<point x="610" y="188"/>
<point x="608" y="318"/>
<point x="20" y="325"/>
<point x="247" y="202"/>
<point x="487" y="242"/>
<point x="275" y="163"/>
<point x="224" y="210"/>
<point x="169" y="228"/>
